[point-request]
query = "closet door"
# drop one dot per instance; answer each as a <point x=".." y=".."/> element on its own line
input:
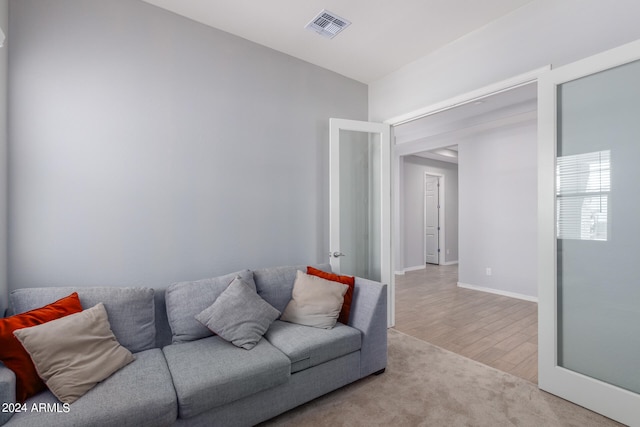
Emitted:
<point x="589" y="233"/>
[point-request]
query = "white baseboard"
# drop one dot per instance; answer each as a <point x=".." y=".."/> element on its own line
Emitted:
<point x="498" y="292"/>
<point x="417" y="267"/>
<point x="420" y="267"/>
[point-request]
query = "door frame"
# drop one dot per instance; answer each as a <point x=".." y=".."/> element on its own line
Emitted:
<point x="611" y="401"/>
<point x="441" y="217"/>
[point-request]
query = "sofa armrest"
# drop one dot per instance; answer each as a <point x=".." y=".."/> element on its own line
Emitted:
<point x="7" y="391"/>
<point x="369" y="315"/>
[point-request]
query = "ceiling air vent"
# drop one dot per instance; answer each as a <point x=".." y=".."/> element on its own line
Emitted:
<point x="328" y="24"/>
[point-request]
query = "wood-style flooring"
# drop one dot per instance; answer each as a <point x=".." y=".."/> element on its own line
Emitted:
<point x="498" y="331"/>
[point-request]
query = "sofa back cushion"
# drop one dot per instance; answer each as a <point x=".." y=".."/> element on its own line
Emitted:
<point x="275" y="284"/>
<point x="131" y="311"/>
<point x="163" y="330"/>
<point x="185" y="300"/>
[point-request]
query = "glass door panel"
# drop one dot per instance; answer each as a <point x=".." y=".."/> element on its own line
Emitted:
<point x="360" y="204"/>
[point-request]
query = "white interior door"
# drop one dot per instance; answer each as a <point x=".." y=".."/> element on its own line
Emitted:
<point x="589" y="205"/>
<point x="431" y="219"/>
<point x="360" y="201"/>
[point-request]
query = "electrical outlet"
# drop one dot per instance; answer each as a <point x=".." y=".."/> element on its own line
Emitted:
<point x="488" y="271"/>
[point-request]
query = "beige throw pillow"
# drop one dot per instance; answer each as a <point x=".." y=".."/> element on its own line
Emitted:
<point x="74" y="353"/>
<point x="314" y="301"/>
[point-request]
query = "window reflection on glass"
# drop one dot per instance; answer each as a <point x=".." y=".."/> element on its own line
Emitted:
<point x="583" y="184"/>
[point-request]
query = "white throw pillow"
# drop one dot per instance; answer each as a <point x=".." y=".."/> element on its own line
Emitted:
<point x="74" y="353"/>
<point x="314" y="301"/>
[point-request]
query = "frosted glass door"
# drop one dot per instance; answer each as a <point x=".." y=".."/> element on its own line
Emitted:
<point x="360" y="226"/>
<point x="598" y="207"/>
<point x="590" y="265"/>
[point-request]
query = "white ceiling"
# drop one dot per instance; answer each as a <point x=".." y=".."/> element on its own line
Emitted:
<point x="384" y="35"/>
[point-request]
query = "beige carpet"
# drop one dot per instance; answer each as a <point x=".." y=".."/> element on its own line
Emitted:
<point x="425" y="385"/>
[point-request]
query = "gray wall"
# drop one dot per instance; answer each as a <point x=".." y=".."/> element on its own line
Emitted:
<point x="4" y="18"/>
<point x="146" y="148"/>
<point x="414" y="169"/>
<point x="498" y="209"/>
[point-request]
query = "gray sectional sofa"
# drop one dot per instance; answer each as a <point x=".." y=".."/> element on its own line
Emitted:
<point x="206" y="381"/>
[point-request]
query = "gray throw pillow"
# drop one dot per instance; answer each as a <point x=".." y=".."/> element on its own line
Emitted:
<point x="74" y="353"/>
<point x="239" y="315"/>
<point x="186" y="299"/>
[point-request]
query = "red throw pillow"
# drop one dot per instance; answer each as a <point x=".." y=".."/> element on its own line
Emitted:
<point x="13" y="354"/>
<point x="348" y="297"/>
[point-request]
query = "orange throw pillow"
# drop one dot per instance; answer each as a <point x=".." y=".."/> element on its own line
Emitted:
<point x="345" y="280"/>
<point x="13" y="354"/>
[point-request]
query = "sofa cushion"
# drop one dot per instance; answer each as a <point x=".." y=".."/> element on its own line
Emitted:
<point x="211" y="372"/>
<point x="307" y="346"/>
<point x="275" y="284"/>
<point x="12" y="352"/>
<point x="74" y="353"/>
<point x="239" y="315"/>
<point x="185" y="300"/>
<point x="140" y="394"/>
<point x="131" y="310"/>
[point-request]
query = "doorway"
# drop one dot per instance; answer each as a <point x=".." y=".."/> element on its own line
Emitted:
<point x="492" y="140"/>
<point x="483" y="128"/>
